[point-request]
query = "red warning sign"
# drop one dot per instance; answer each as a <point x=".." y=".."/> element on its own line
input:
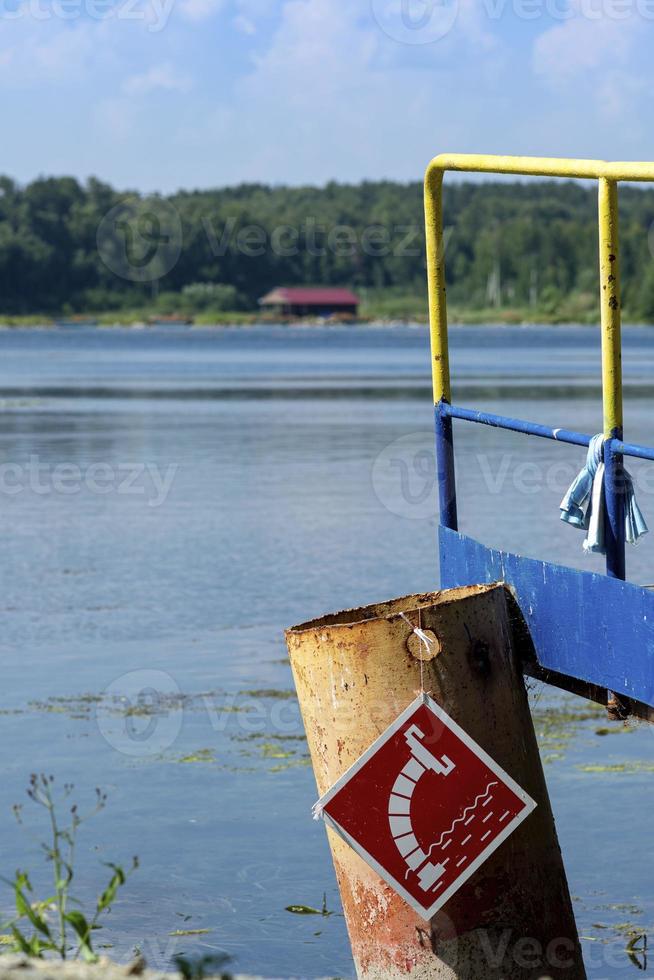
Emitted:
<point x="425" y="806"/>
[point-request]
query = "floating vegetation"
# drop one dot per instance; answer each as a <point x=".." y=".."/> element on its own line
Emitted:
<point x="268" y="751"/>
<point x="78" y="706"/>
<point x="291" y="764"/>
<point x="624" y="907"/>
<point x="629" y="935"/>
<point x="557" y="725"/>
<point x="82" y="706"/>
<point x="637" y="951"/>
<point x="288" y="751"/>
<point x="623" y="767"/>
<point x="309" y="910"/>
<point x="201" y="755"/>
<point x="621" y="929"/>
<point x="189" y="932"/>
<point x="255" y="736"/>
<point x="636" y="943"/>
<point x="159" y="703"/>
<point x="272" y="750"/>
<point x="278" y="751"/>
<point x="281" y="694"/>
<point x="628" y="929"/>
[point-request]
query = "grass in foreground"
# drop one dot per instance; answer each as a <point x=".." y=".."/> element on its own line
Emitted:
<point x="51" y="925"/>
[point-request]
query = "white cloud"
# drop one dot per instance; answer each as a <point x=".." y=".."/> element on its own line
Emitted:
<point x="616" y="87"/>
<point x="334" y="96"/>
<point x="119" y="117"/>
<point x="116" y="119"/>
<point x="32" y="53"/>
<point x="160" y="77"/>
<point x="473" y="24"/>
<point x="253" y="14"/>
<point x="589" y="64"/>
<point x="244" y="25"/>
<point x="323" y="91"/>
<point x="583" y="44"/>
<point x="197" y="11"/>
<point x="51" y="49"/>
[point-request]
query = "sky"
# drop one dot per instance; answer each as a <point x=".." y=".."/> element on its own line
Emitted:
<point x="158" y="95"/>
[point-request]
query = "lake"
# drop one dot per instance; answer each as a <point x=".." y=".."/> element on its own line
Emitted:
<point x="171" y="500"/>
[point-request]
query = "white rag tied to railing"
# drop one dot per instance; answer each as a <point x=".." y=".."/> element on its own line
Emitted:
<point x="583" y="505"/>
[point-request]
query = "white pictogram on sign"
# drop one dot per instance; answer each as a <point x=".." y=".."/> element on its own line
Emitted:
<point x="399" y="807"/>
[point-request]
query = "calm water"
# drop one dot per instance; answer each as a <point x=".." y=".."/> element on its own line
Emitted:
<point x="170" y="501"/>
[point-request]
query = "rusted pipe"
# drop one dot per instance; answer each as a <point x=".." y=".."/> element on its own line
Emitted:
<point x="355" y="673"/>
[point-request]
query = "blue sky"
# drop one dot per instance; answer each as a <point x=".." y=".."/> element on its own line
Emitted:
<point x="161" y="94"/>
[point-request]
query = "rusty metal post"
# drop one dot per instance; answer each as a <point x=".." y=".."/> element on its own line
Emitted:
<point x="355" y="672"/>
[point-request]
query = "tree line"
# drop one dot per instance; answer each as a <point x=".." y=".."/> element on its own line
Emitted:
<point x="69" y="247"/>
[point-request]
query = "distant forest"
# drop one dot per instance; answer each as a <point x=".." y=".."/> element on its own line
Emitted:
<point x="531" y="247"/>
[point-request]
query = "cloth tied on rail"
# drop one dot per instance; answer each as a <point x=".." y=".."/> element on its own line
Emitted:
<point x="583" y="505"/>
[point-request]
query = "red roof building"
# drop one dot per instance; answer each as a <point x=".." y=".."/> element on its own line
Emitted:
<point x="306" y="301"/>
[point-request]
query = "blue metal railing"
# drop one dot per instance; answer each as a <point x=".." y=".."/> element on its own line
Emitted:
<point x="544" y="431"/>
<point x="614" y="451"/>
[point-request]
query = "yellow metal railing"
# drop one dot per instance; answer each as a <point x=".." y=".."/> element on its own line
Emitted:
<point x="608" y="175"/>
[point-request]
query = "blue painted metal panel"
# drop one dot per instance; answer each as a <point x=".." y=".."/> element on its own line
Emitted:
<point x="591" y="627"/>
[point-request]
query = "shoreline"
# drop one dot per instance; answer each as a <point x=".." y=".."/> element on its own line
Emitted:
<point x="22" y="967"/>
<point x="127" y="323"/>
<point x="143" y="318"/>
